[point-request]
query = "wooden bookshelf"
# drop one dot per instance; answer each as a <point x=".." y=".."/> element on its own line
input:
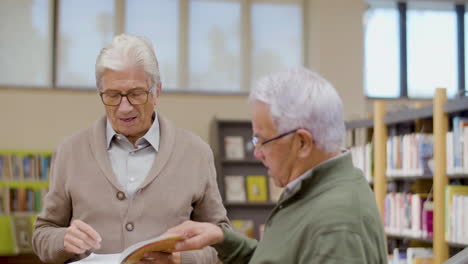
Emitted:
<point x="440" y="177"/>
<point x="380" y="139"/>
<point x="439" y="112"/>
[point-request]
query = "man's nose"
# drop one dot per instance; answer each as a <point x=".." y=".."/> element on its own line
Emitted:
<point x="125" y="105"/>
<point x="258" y="153"/>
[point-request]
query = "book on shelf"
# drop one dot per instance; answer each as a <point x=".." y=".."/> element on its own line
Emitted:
<point x="458" y="125"/>
<point x="419" y="255"/>
<point x="427" y="220"/>
<point x="134" y="253"/>
<point x="455" y="213"/>
<point x="234" y="147"/>
<point x="24" y="166"/>
<point x="256" y="188"/>
<point x="410" y="154"/>
<point x="22" y="229"/>
<point x="244" y="227"/>
<point x="234" y="186"/>
<point x="21" y="199"/>
<point x="2" y="202"/>
<point x="362" y="157"/>
<point x="465" y="150"/>
<point x="408" y="214"/>
<point x="459" y="219"/>
<point x="411" y="255"/>
<point x="274" y="191"/>
<point x="261" y="230"/>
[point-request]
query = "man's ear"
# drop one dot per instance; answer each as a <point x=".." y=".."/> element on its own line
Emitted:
<point x="158" y="89"/>
<point x="306" y="141"/>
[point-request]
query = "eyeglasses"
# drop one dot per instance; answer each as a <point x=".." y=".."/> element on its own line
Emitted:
<point x="135" y="97"/>
<point x="256" y="142"/>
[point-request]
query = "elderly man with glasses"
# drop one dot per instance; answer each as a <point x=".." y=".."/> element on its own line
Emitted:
<point x="327" y="213"/>
<point x="131" y="175"/>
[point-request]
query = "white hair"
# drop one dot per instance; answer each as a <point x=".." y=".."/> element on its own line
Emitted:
<point x="128" y="52"/>
<point x="300" y="98"/>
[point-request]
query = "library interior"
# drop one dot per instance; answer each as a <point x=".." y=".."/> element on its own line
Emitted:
<point x="406" y="123"/>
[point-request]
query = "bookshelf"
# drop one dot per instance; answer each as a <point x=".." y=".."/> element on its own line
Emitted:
<point x="234" y="157"/>
<point x="23" y="185"/>
<point x="435" y="119"/>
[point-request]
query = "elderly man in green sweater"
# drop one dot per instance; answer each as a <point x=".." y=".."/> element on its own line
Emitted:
<point x="327" y="213"/>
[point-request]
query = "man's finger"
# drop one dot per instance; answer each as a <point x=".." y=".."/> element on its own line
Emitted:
<point x="190" y="244"/>
<point x="70" y="247"/>
<point x="88" y="230"/>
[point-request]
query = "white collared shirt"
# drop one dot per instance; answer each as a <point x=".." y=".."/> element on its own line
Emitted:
<point x="131" y="164"/>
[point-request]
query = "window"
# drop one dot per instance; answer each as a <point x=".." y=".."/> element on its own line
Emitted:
<point x="214" y="46"/>
<point x="82" y="32"/>
<point x="426" y="48"/>
<point x="28" y="23"/>
<point x="382" y="69"/>
<point x="276" y="37"/>
<point x="431" y="48"/>
<point x="157" y="20"/>
<point x="208" y="46"/>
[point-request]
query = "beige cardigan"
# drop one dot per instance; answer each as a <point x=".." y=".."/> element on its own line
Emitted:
<point x="181" y="185"/>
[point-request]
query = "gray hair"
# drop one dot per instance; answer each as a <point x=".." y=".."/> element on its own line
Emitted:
<point x="126" y="52"/>
<point x="300" y="98"/>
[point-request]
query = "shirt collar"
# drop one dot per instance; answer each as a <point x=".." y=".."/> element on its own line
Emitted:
<point x="152" y="136"/>
<point x="290" y="186"/>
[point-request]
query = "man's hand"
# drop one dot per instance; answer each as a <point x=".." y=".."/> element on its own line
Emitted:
<point x="80" y="237"/>
<point x="197" y="235"/>
<point x="160" y="258"/>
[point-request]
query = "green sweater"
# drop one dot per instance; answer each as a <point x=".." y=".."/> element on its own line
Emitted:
<point x="330" y="217"/>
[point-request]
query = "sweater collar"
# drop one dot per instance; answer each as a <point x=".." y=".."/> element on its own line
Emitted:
<point x="322" y="177"/>
<point x="98" y="146"/>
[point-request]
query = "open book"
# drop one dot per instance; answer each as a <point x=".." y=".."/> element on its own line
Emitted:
<point x="135" y="252"/>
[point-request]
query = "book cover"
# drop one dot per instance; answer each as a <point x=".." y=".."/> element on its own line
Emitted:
<point x="134" y="253"/>
<point x="234" y="147"/>
<point x="274" y="191"/>
<point x="244" y="227"/>
<point x="235" y="188"/>
<point x="458" y="126"/>
<point x="256" y="188"/>
<point x="427" y="218"/>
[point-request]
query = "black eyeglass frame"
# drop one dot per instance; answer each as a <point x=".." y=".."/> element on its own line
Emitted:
<point x="126" y="95"/>
<point x="256" y="143"/>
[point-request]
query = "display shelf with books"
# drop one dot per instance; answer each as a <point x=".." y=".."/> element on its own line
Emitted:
<point x="248" y="193"/>
<point x="359" y="141"/>
<point x="421" y="163"/>
<point x="23" y="185"/>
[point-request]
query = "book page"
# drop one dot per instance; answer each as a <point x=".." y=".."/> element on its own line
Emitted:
<point x="99" y="259"/>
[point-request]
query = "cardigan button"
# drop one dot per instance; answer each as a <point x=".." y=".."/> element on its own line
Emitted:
<point x="120" y="196"/>
<point x="129" y="227"/>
